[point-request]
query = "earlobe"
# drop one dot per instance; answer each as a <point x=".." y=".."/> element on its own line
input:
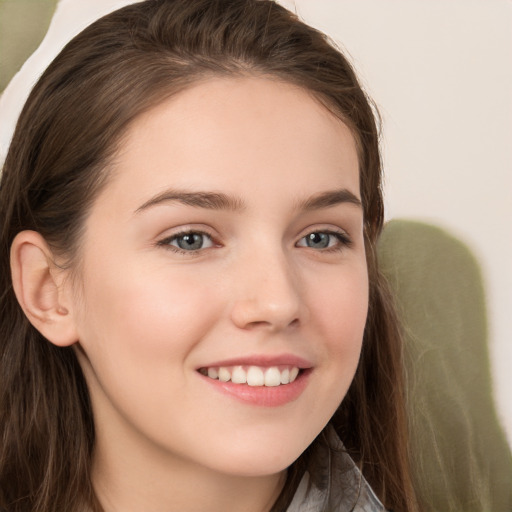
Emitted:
<point x="38" y="286"/>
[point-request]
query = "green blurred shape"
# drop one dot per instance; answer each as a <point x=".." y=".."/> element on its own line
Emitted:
<point x="23" y="24"/>
<point x="461" y="459"/>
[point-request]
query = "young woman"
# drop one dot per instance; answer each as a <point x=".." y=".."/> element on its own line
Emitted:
<point x="192" y="316"/>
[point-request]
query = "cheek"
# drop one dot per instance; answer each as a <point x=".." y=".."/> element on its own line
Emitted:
<point x="337" y="314"/>
<point x="340" y="313"/>
<point x="341" y="306"/>
<point x="150" y="315"/>
<point x="137" y="331"/>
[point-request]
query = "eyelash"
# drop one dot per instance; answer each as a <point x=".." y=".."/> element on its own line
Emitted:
<point x="342" y="238"/>
<point x="166" y="242"/>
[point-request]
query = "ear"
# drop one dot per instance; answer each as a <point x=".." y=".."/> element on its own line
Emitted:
<point x="40" y="288"/>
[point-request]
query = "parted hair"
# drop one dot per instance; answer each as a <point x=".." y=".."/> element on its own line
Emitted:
<point x="58" y="161"/>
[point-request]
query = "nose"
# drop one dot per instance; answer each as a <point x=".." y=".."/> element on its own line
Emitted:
<point x="267" y="293"/>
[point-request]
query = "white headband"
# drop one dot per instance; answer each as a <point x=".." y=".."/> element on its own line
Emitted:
<point x="70" y="18"/>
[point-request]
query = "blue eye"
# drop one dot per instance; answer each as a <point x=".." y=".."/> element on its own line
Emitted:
<point x="324" y="240"/>
<point x="189" y="241"/>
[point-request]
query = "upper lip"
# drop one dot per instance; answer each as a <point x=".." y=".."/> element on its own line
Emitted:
<point x="263" y="360"/>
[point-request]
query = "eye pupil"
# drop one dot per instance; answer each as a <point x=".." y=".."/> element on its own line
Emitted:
<point x="190" y="241"/>
<point x="318" y="240"/>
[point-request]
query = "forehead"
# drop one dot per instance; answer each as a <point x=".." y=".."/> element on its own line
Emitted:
<point x="242" y="134"/>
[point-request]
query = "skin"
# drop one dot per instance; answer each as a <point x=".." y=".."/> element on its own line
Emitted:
<point x="147" y="316"/>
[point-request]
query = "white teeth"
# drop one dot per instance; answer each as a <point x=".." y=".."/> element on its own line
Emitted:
<point x="254" y="375"/>
<point x="238" y="376"/>
<point x="272" y="377"/>
<point x="293" y="373"/>
<point x="224" y="374"/>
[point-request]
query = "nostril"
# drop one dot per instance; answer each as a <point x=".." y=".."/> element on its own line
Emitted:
<point x="264" y="324"/>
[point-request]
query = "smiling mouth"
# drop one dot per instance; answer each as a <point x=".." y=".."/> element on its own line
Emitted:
<point x="255" y="376"/>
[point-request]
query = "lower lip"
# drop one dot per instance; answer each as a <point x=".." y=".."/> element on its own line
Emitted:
<point x="264" y="396"/>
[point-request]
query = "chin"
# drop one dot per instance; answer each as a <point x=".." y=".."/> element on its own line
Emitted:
<point x="261" y="458"/>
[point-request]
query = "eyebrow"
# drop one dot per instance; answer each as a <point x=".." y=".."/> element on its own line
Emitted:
<point x="221" y="201"/>
<point x="207" y="200"/>
<point x="330" y="198"/>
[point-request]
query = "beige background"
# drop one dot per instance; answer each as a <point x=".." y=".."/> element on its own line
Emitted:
<point x="441" y="73"/>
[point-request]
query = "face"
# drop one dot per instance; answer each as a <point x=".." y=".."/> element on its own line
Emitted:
<point x="227" y="247"/>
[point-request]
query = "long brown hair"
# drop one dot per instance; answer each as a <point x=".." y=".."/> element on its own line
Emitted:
<point x="69" y="130"/>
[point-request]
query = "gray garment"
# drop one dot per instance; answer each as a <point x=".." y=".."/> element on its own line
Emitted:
<point x="333" y="483"/>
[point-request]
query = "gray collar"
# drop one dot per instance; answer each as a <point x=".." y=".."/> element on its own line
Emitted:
<point x="333" y="483"/>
